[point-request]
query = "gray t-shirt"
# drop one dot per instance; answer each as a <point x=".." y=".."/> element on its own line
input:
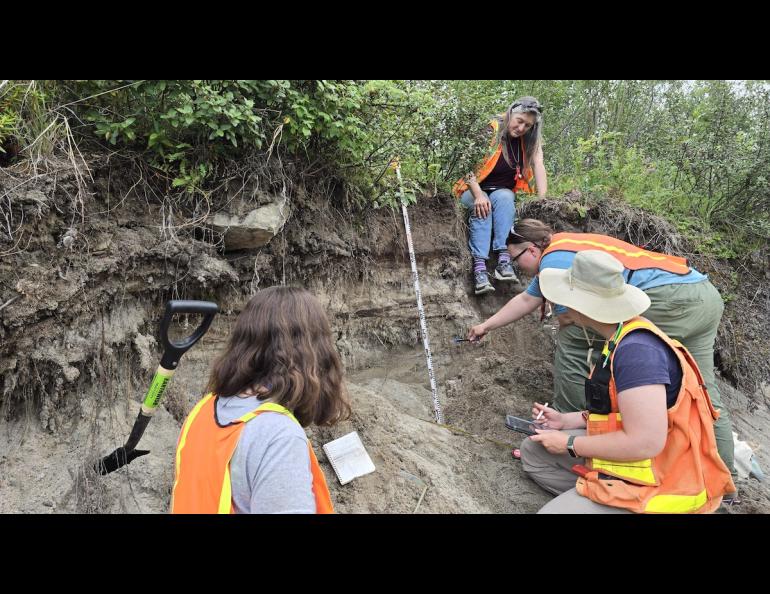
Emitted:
<point x="270" y="469"/>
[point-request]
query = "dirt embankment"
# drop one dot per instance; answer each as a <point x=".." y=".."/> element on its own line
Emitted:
<point x="83" y="283"/>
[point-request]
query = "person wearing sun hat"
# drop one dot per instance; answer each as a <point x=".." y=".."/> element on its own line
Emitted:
<point x="684" y="304"/>
<point x="646" y="442"/>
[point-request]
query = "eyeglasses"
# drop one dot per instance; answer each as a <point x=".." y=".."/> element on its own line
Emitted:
<point x="528" y="105"/>
<point x="519" y="254"/>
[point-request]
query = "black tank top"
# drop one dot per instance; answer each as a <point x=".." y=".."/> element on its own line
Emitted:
<point x="503" y="175"/>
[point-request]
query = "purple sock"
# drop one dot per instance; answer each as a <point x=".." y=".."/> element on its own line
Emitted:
<point x="503" y="257"/>
<point x="479" y="265"/>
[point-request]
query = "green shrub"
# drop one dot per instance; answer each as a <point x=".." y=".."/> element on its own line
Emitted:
<point x="187" y="127"/>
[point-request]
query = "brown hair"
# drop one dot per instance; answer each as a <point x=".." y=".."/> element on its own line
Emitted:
<point x="532" y="231"/>
<point x="282" y="341"/>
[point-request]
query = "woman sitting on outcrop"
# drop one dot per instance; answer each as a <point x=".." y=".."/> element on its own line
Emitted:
<point x="490" y="193"/>
<point x="646" y="442"/>
<point x="685" y="305"/>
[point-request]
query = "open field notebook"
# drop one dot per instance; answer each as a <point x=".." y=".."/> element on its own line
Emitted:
<point x="348" y="457"/>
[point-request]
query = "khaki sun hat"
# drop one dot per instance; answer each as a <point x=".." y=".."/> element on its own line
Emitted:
<point x="594" y="286"/>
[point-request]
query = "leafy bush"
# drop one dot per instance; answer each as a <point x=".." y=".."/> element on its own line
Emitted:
<point x="690" y="150"/>
<point x="187" y="127"/>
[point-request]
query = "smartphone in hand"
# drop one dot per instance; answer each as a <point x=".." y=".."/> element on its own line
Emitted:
<point x="521" y="425"/>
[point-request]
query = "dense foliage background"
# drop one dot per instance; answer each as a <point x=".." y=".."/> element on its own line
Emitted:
<point x="693" y="151"/>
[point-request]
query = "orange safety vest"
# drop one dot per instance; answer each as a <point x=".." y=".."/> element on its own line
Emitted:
<point x="688" y="476"/>
<point x="631" y="256"/>
<point x="524" y="184"/>
<point x="204" y="450"/>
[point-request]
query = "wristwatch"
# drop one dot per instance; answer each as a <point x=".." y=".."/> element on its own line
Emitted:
<point x="571" y="446"/>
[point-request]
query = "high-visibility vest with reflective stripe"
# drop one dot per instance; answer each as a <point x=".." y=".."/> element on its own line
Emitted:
<point x="631" y="256"/>
<point x="525" y="184"/>
<point x="202" y="484"/>
<point x="688" y="476"/>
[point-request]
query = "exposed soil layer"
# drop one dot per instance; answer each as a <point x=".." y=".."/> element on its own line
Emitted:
<point x="84" y="277"/>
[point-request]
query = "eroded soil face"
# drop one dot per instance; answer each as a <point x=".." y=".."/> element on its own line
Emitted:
<point x="84" y="286"/>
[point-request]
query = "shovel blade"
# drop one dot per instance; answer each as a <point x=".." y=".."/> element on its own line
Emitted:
<point x="117" y="459"/>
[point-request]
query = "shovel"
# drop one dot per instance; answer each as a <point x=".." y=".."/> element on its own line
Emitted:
<point x="172" y="352"/>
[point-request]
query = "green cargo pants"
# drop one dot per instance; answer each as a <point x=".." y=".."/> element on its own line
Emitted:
<point x="689" y="313"/>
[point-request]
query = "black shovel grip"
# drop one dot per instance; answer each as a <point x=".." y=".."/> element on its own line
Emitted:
<point x="173" y="351"/>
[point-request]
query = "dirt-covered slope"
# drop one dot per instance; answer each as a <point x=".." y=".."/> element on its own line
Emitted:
<point x="84" y="277"/>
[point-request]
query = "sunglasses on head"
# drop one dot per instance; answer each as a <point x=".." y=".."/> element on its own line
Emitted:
<point x="514" y="237"/>
<point x="528" y="105"/>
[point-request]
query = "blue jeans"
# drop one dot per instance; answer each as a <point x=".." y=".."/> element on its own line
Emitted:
<point x="495" y="227"/>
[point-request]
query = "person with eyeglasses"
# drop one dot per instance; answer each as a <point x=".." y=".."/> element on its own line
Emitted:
<point x="514" y="163"/>
<point x="644" y="441"/>
<point x="685" y="305"/>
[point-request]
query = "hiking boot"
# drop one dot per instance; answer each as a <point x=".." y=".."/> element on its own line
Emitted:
<point x="482" y="283"/>
<point x="504" y="272"/>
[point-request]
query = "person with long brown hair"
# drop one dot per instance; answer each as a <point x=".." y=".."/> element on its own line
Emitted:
<point x="243" y="448"/>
